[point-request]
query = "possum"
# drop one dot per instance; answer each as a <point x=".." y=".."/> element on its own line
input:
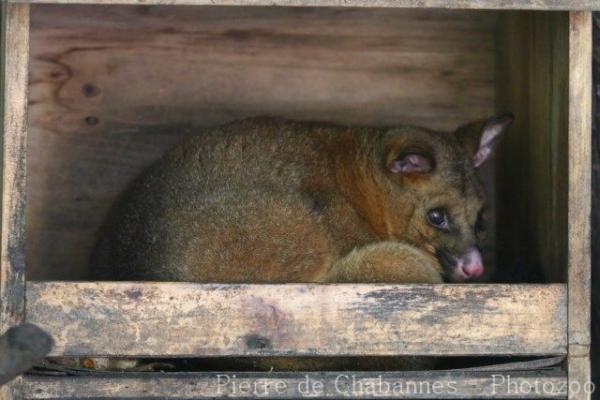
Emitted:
<point x="266" y="200"/>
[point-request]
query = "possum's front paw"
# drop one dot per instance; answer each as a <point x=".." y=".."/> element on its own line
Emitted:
<point x="385" y="262"/>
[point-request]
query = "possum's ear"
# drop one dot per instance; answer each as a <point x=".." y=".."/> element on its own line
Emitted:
<point x="410" y="162"/>
<point x="479" y="138"/>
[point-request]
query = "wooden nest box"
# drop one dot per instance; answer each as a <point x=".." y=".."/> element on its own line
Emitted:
<point x="95" y="90"/>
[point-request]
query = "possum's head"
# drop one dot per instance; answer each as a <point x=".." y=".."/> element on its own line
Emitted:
<point x="433" y="185"/>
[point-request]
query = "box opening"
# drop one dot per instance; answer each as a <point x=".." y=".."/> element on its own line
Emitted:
<point x="113" y="87"/>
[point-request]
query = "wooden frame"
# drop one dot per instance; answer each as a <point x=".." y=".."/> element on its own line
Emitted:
<point x="365" y="319"/>
<point x="457" y="4"/>
<point x="467" y="384"/>
<point x="579" y="208"/>
<point x="12" y="258"/>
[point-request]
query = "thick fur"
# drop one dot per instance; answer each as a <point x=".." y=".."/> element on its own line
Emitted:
<point x="267" y="200"/>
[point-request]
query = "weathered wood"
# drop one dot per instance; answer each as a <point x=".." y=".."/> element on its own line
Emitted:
<point x="533" y="170"/>
<point x="541" y="363"/>
<point x="595" y="240"/>
<point x="580" y="135"/>
<point x="547" y="189"/>
<point x="466" y="4"/>
<point x="12" y="261"/>
<point x="178" y="319"/>
<point x="578" y="378"/>
<point x="20" y="347"/>
<point x="349" y="384"/>
<point x="15" y="55"/>
<point x="113" y="87"/>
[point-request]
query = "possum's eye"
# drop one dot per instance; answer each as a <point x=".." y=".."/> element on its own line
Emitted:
<point x="438" y="218"/>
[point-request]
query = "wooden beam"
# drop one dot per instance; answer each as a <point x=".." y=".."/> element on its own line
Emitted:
<point x="12" y="261"/>
<point x="15" y="56"/>
<point x="550" y="384"/>
<point x="579" y="189"/>
<point x="194" y="320"/>
<point x="457" y="4"/>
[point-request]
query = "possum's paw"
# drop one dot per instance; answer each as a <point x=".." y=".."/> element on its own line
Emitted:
<point x="386" y="262"/>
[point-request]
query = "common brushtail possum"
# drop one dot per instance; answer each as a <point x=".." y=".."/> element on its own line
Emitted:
<point x="271" y="201"/>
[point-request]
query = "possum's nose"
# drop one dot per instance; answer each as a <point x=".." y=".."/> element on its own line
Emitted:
<point x="471" y="263"/>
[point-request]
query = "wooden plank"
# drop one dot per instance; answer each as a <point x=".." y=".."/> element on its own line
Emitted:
<point x="113" y="87"/>
<point x="595" y="224"/>
<point x="578" y="378"/>
<point x="193" y="320"/>
<point x="12" y="261"/>
<point x="460" y="4"/>
<point x="15" y="55"/>
<point x="580" y="135"/>
<point x="349" y="384"/>
<point x="541" y="363"/>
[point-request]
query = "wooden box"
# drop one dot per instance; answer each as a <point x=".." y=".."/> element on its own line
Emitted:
<point x="93" y="93"/>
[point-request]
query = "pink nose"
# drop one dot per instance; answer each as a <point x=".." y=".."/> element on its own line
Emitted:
<point x="471" y="263"/>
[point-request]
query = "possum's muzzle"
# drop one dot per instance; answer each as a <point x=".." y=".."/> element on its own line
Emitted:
<point x="469" y="265"/>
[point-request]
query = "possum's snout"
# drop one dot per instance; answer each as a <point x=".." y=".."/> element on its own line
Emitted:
<point x="467" y="266"/>
<point x="470" y="264"/>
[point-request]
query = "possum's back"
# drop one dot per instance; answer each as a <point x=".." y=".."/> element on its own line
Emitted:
<point x="205" y="172"/>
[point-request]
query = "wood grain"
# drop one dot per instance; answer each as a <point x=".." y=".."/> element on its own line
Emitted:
<point x="12" y="261"/>
<point x="466" y="4"/>
<point x="595" y="224"/>
<point x="350" y="384"/>
<point x="533" y="160"/>
<point x="15" y="52"/>
<point x="579" y="214"/>
<point x="178" y="319"/>
<point x="113" y="87"/>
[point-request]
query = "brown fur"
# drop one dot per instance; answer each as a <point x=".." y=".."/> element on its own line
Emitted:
<point x="266" y="200"/>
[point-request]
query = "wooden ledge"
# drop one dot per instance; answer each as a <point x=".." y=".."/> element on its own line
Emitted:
<point x="199" y="320"/>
